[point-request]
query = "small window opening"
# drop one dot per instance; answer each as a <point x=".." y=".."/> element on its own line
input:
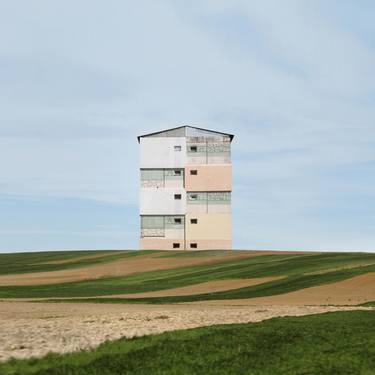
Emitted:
<point x="193" y="148"/>
<point x="177" y="220"/>
<point x="193" y="246"/>
<point x="193" y="197"/>
<point x="177" y="148"/>
<point x="193" y="221"/>
<point x="177" y="196"/>
<point x="176" y="245"/>
<point x="177" y="172"/>
<point x="194" y="172"/>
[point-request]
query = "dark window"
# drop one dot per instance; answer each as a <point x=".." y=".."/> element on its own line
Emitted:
<point x="193" y="246"/>
<point x="177" y="173"/>
<point x="193" y="197"/>
<point x="194" y="221"/>
<point x="193" y="172"/>
<point x="177" y="196"/>
<point x="177" y="148"/>
<point x="177" y="220"/>
<point x="176" y="245"/>
<point x="193" y="148"/>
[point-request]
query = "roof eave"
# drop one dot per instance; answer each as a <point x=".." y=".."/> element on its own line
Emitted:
<point x="231" y="136"/>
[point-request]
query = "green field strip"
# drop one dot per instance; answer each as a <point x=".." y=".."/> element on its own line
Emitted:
<point x="291" y="267"/>
<point x="141" y="282"/>
<point x="326" y="344"/>
<point x="277" y="287"/>
<point x="20" y="263"/>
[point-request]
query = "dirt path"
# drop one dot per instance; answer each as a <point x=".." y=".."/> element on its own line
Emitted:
<point x="208" y="287"/>
<point x="121" y="267"/>
<point x="34" y="329"/>
<point x="353" y="291"/>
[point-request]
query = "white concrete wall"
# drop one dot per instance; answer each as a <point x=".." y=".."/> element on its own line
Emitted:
<point x="154" y="201"/>
<point x="160" y="152"/>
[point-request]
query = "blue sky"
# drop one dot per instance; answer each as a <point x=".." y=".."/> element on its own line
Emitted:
<point x="293" y="80"/>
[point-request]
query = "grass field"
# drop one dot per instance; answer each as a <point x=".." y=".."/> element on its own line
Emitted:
<point x="294" y="272"/>
<point x="327" y="344"/>
<point x="136" y="293"/>
<point x="19" y="263"/>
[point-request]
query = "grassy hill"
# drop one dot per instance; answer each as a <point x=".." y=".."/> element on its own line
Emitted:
<point x="292" y="272"/>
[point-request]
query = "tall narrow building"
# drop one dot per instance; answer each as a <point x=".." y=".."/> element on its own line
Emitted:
<point x="185" y="189"/>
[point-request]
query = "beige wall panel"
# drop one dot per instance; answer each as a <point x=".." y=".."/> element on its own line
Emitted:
<point x="219" y="208"/>
<point x="209" y="227"/>
<point x="209" y="178"/>
<point x="210" y="244"/>
<point x="160" y="244"/>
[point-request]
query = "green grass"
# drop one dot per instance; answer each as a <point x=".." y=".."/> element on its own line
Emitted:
<point x="17" y="263"/>
<point x="295" y="269"/>
<point x="286" y="285"/>
<point x="328" y="344"/>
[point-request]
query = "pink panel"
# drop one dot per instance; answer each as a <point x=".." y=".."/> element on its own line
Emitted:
<point x="208" y="177"/>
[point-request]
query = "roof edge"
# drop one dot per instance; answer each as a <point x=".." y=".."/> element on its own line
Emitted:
<point x="231" y="136"/>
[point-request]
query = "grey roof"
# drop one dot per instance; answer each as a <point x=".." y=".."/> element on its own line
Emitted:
<point x="231" y="136"/>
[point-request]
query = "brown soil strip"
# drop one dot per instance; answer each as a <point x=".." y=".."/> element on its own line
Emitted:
<point x="120" y="267"/>
<point x="353" y="291"/>
<point x="35" y="329"/>
<point x="202" y="288"/>
<point x="347" y="267"/>
<point x="77" y="259"/>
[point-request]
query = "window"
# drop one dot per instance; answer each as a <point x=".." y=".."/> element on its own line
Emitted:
<point x="193" y="149"/>
<point x="177" y="172"/>
<point x="193" y="197"/>
<point x="193" y="246"/>
<point x="177" y="220"/>
<point x="193" y="221"/>
<point x="193" y="172"/>
<point x="177" y="196"/>
<point x="177" y="148"/>
<point x="176" y="245"/>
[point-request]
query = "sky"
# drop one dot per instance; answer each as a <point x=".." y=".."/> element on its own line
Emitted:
<point x="293" y="80"/>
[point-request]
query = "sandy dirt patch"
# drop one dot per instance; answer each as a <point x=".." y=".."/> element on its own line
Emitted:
<point x="84" y="257"/>
<point x="34" y="329"/>
<point x="353" y="291"/>
<point x="202" y="288"/>
<point x="122" y="267"/>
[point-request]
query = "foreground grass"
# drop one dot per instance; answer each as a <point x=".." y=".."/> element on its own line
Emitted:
<point x="296" y="271"/>
<point x="328" y="344"/>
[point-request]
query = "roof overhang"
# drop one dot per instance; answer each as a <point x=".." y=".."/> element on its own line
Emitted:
<point x="231" y="136"/>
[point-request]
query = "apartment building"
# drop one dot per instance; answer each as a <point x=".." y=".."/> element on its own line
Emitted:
<point x="185" y="189"/>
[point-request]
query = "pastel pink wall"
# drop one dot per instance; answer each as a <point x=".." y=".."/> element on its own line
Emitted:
<point x="209" y="178"/>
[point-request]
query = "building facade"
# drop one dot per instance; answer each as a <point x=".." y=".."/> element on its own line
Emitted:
<point x="185" y="189"/>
